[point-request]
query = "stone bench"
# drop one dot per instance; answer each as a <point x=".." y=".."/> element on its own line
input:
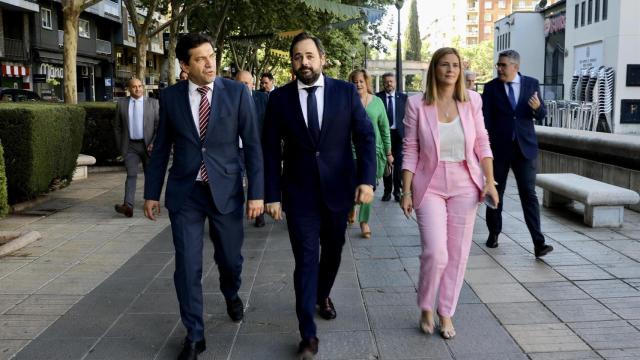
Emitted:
<point x="603" y="203"/>
<point x="82" y="164"/>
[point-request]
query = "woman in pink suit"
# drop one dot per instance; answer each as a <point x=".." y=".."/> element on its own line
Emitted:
<point x="447" y="171"/>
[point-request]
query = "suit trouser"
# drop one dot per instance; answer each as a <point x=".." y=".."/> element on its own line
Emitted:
<point x="315" y="270"/>
<point x="445" y="220"/>
<point x="136" y="153"/>
<point x="393" y="182"/>
<point x="524" y="171"/>
<point x="226" y="233"/>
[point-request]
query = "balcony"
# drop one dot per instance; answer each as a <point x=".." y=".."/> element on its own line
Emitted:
<point x="21" y="5"/>
<point x="123" y="73"/>
<point x="472" y="21"/>
<point x="13" y="49"/>
<point x="103" y="47"/>
<point x="156" y="48"/>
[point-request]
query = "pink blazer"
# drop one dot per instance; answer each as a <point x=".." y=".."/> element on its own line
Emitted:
<point x="421" y="144"/>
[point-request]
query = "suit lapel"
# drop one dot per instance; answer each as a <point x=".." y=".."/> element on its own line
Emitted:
<point x="521" y="96"/>
<point x="464" y="109"/>
<point x="218" y="108"/>
<point x="432" y="119"/>
<point x="186" y="110"/>
<point x="328" y="106"/>
<point x="299" y="116"/>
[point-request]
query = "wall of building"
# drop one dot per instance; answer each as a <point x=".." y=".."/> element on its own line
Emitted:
<point x="525" y="34"/>
<point x="610" y="43"/>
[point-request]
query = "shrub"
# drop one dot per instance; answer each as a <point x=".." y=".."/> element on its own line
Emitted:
<point x="99" y="139"/>
<point x="4" y="201"/>
<point x="41" y="144"/>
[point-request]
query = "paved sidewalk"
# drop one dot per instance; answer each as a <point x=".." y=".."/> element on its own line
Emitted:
<point x="99" y="286"/>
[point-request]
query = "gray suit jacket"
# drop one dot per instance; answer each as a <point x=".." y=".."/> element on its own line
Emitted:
<point x="150" y="118"/>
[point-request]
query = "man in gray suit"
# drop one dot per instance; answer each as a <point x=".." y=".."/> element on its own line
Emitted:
<point x="135" y="128"/>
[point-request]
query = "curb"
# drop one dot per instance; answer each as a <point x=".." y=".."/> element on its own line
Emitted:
<point x="21" y="239"/>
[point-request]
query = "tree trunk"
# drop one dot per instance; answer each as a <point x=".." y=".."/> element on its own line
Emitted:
<point x="70" y="40"/>
<point x="173" y="41"/>
<point x="142" y="43"/>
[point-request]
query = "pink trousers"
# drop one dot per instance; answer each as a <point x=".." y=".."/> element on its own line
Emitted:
<point x="445" y="219"/>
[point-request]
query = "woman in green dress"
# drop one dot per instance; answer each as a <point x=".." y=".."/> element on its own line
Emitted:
<point x="378" y="116"/>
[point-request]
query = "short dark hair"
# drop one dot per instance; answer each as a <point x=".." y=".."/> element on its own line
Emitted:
<point x="511" y="54"/>
<point x="388" y="74"/>
<point x="267" y="75"/>
<point x="190" y="41"/>
<point x="306" y="36"/>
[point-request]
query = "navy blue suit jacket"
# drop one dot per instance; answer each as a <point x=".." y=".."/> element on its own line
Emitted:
<point x="232" y="114"/>
<point x="260" y="100"/>
<point x="325" y="171"/>
<point x="500" y="118"/>
<point x="401" y="102"/>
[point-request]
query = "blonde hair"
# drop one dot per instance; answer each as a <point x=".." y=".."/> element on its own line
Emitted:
<point x="431" y="92"/>
<point x="365" y="75"/>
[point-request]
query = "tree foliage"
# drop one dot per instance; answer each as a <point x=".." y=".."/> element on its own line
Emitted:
<point x="480" y="58"/>
<point x="414" y="44"/>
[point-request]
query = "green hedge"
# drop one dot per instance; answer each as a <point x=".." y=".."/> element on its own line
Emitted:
<point x="4" y="201"/>
<point x="99" y="140"/>
<point x="41" y="144"/>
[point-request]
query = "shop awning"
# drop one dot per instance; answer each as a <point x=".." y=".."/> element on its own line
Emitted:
<point x="56" y="58"/>
<point x="15" y="70"/>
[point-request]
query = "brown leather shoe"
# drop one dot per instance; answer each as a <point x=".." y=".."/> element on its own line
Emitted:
<point x="326" y="310"/>
<point x="124" y="209"/>
<point x="308" y="348"/>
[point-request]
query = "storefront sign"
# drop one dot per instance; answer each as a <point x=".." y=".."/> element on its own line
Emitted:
<point x="39" y="78"/>
<point x="554" y="24"/>
<point x="52" y="72"/>
<point x="587" y="56"/>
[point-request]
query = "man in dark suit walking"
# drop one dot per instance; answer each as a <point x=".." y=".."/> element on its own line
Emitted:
<point x="309" y="125"/>
<point x="260" y="101"/>
<point x="202" y="118"/>
<point x="511" y="102"/>
<point x="394" y="103"/>
<point x="135" y="128"/>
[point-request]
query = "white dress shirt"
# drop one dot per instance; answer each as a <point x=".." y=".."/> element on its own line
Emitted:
<point x="451" y="141"/>
<point x="194" y="103"/>
<point x="136" y="123"/>
<point x="515" y="84"/>
<point x="393" y="100"/>
<point x="303" y="95"/>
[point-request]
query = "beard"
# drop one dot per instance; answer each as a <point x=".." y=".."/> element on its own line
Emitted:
<point x="307" y="78"/>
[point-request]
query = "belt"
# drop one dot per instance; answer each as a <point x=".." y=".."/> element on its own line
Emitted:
<point x="136" y="140"/>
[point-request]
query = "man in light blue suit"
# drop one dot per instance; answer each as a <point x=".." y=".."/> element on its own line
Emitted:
<point x="201" y="119"/>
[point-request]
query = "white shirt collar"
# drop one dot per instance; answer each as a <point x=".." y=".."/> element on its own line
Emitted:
<point x="193" y="88"/>
<point x="516" y="80"/>
<point x="393" y="93"/>
<point x="141" y="98"/>
<point x="318" y="83"/>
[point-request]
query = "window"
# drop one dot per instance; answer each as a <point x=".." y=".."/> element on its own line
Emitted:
<point x="487" y="29"/>
<point x="502" y="4"/>
<point x="487" y="17"/>
<point x="521" y="4"/>
<point x="83" y="29"/>
<point x="604" y="9"/>
<point x="45" y="14"/>
<point x="590" y="12"/>
<point x="582" y="13"/>
<point x="488" y="4"/>
<point x="596" y="15"/>
<point x="130" y="30"/>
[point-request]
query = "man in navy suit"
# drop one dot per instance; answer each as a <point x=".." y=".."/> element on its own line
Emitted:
<point x="309" y="125"/>
<point x="201" y="119"/>
<point x="260" y="101"/>
<point x="510" y="105"/>
<point x="394" y="103"/>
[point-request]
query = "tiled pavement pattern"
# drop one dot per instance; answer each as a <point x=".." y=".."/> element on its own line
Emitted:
<point x="99" y="286"/>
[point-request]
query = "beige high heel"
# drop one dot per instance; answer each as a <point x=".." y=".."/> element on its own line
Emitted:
<point x="426" y="326"/>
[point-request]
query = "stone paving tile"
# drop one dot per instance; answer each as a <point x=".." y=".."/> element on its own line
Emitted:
<point x="583" y="272"/>
<point x="9" y="301"/>
<point x="580" y="310"/>
<point x="401" y="344"/>
<point x="393" y="316"/>
<point x="522" y="313"/>
<point x="536" y="272"/>
<point x="627" y="308"/>
<point x="58" y="349"/>
<point x="565" y="355"/>
<point x="546" y="337"/>
<point x="607" y="334"/>
<point x="621" y="354"/>
<point x="23" y="327"/>
<point x="600" y="289"/>
<point x="397" y="296"/>
<point x="561" y="290"/>
<point x="44" y="305"/>
<point x="502" y="293"/>
<point x="488" y="276"/>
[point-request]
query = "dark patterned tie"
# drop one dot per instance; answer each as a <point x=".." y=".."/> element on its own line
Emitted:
<point x="312" y="114"/>
<point x="390" y="109"/>
<point x="204" y="111"/>
<point x="512" y="96"/>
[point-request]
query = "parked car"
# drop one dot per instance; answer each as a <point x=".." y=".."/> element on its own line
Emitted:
<point x="15" y="95"/>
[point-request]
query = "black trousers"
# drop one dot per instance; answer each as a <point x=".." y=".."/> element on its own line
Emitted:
<point x="393" y="182"/>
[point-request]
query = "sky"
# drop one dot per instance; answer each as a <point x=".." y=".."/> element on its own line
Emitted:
<point x="428" y="11"/>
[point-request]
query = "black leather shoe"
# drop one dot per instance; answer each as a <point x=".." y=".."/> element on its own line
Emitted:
<point x="124" y="209"/>
<point x="326" y="310"/>
<point x="492" y="241"/>
<point x="259" y="221"/>
<point x="191" y="349"/>
<point x="543" y="250"/>
<point x="235" y="308"/>
<point x="308" y="348"/>
<point x="396" y="197"/>
<point x="386" y="197"/>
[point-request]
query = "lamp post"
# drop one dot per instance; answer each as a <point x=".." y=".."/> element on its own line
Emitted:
<point x="399" y="84"/>
<point x="364" y="36"/>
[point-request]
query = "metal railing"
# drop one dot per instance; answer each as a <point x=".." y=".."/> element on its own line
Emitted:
<point x="103" y="47"/>
<point x="578" y="115"/>
<point x="14" y="48"/>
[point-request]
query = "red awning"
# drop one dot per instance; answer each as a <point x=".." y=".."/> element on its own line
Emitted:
<point x="15" y="70"/>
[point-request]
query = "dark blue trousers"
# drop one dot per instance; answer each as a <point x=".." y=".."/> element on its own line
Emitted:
<point x="524" y="171"/>
<point x="317" y="241"/>
<point x="226" y="233"/>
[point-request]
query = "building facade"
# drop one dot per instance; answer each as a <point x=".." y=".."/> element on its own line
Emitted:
<point x="16" y="17"/>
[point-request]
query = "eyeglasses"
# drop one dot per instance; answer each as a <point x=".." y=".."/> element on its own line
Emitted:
<point x="503" y="65"/>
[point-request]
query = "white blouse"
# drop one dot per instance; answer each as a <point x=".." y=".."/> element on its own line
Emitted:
<point x="451" y="141"/>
